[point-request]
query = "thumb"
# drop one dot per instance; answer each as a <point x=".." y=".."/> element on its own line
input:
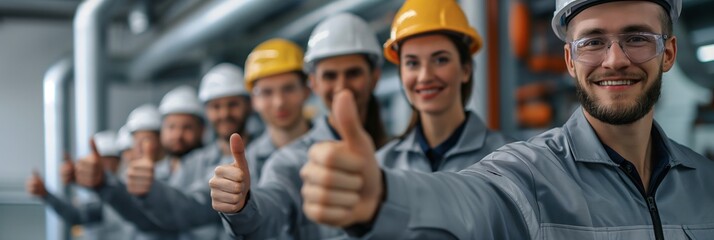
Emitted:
<point x="93" y="147"/>
<point x="238" y="151"/>
<point x="67" y="157"/>
<point x="348" y="121"/>
<point x="149" y="150"/>
<point x="36" y="174"/>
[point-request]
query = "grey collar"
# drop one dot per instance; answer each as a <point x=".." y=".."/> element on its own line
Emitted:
<point x="471" y="139"/>
<point x="586" y="146"/>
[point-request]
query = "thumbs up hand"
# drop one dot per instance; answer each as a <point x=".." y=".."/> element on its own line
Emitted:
<point x="89" y="170"/>
<point x="67" y="170"/>
<point x="140" y="172"/>
<point x="342" y="183"/>
<point x="35" y="186"/>
<point x="230" y="183"/>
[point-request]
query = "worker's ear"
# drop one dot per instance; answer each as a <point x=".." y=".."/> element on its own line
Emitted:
<point x="670" y="53"/>
<point x="569" y="60"/>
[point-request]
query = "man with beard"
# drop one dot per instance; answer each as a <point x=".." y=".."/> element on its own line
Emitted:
<point x="343" y="55"/>
<point x="609" y="173"/>
<point x="158" y="186"/>
<point x="228" y="108"/>
<point x="182" y="125"/>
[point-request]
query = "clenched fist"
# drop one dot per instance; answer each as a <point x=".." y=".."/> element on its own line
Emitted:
<point x="231" y="182"/>
<point x="35" y="186"/>
<point x="140" y="172"/>
<point x="89" y="171"/>
<point x="342" y="183"/>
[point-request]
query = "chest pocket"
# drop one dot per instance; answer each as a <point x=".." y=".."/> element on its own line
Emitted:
<point x="699" y="232"/>
<point x="559" y="231"/>
<point x="671" y="232"/>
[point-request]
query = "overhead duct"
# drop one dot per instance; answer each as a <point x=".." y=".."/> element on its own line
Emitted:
<point x="301" y="27"/>
<point x="208" y="23"/>
<point x="297" y="23"/>
<point x="38" y="9"/>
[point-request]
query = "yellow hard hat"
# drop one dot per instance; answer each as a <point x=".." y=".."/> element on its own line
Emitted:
<point x="272" y="57"/>
<point x="422" y="16"/>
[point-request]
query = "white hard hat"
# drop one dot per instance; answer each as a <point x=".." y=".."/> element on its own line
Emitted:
<point x="106" y="144"/>
<point x="342" y="34"/>
<point x="565" y="10"/>
<point x="222" y="80"/>
<point x="144" y="118"/>
<point x="182" y="99"/>
<point x="124" y="139"/>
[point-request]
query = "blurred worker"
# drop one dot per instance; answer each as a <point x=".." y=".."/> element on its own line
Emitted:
<point x="182" y="128"/>
<point x="157" y="188"/>
<point x="435" y="67"/>
<point x="343" y="55"/>
<point x="98" y="220"/>
<point x="278" y="86"/>
<point x="125" y="144"/>
<point x="182" y="125"/>
<point x="185" y="208"/>
<point x="227" y="106"/>
<point x="144" y="124"/>
<point x="609" y="172"/>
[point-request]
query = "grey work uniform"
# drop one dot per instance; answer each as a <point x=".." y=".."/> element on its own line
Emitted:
<point x="562" y="184"/>
<point x="98" y="220"/>
<point x="257" y="154"/>
<point x="470" y="142"/>
<point x="178" y="205"/>
<point x="275" y="206"/>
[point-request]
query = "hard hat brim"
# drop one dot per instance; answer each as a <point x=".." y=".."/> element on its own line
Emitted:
<point x="390" y="47"/>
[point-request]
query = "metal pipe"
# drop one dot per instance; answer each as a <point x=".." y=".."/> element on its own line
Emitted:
<point x="494" y="64"/>
<point x="475" y="11"/>
<point x="508" y="78"/>
<point x="54" y="90"/>
<point x="38" y="9"/>
<point x="208" y="23"/>
<point x="302" y="27"/>
<point x="89" y="50"/>
<point x="90" y="20"/>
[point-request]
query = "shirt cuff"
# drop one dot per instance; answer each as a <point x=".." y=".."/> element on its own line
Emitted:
<point x="244" y="220"/>
<point x="109" y="185"/>
<point x="393" y="216"/>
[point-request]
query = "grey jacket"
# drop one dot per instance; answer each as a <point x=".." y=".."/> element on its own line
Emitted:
<point x="274" y="208"/>
<point x="178" y="206"/>
<point x="559" y="185"/>
<point x="475" y="142"/>
<point x="257" y="154"/>
<point x="99" y="221"/>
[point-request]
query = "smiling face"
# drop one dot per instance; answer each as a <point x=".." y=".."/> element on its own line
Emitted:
<point x="228" y="115"/>
<point x="618" y="91"/>
<point x="432" y="74"/>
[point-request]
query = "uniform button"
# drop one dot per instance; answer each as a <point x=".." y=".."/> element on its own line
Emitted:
<point x="628" y="168"/>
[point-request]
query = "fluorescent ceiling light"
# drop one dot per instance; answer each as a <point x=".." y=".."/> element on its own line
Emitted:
<point x="706" y="53"/>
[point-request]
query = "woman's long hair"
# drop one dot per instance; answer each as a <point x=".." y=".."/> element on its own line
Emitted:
<point x="373" y="123"/>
